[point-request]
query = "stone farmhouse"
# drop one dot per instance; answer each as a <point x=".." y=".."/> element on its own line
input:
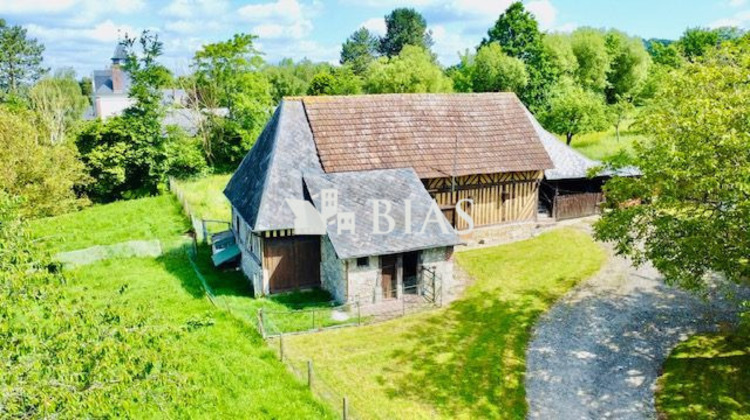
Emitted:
<point x="343" y="156"/>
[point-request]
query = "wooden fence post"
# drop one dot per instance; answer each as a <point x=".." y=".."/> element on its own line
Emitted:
<point x="281" y="347"/>
<point x="309" y="374"/>
<point x="345" y="409"/>
<point x="205" y="231"/>
<point x="260" y="323"/>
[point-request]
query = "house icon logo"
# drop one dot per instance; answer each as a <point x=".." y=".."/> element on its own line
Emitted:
<point x="310" y="221"/>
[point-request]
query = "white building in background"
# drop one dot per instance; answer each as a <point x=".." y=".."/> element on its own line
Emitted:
<point x="111" y="87"/>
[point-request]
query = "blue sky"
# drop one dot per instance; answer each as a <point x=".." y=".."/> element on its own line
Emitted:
<point x="83" y="33"/>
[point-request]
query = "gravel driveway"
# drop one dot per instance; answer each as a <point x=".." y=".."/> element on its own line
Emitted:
<point x="598" y="352"/>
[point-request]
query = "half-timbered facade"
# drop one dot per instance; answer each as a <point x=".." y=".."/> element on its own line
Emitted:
<point x="427" y="150"/>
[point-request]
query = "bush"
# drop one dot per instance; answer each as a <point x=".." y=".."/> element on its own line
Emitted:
<point x="46" y="175"/>
<point x="184" y="155"/>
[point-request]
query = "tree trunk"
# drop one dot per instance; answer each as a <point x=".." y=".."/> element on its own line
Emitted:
<point x="617" y="131"/>
<point x="569" y="137"/>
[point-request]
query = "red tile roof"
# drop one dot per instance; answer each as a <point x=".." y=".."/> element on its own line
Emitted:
<point x="432" y="133"/>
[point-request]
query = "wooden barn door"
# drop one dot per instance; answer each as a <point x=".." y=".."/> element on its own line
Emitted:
<point x="292" y="262"/>
<point x="388" y="275"/>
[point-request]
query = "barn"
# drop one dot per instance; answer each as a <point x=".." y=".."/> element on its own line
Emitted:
<point x="425" y="153"/>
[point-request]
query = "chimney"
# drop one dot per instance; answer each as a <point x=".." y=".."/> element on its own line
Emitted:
<point x="118" y="84"/>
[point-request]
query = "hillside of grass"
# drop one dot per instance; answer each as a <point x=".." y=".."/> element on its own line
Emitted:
<point x="206" y="198"/>
<point x="603" y="145"/>
<point x="229" y="370"/>
<point x="466" y="360"/>
<point x="706" y="377"/>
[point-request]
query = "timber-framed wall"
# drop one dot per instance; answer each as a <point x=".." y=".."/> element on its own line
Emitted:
<point x="498" y="198"/>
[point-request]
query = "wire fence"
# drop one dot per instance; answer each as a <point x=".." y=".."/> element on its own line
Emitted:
<point x="203" y="228"/>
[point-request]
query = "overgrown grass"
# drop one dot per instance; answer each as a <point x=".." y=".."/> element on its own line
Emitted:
<point x="707" y="377"/>
<point x="228" y="366"/>
<point x="206" y="198"/>
<point x="147" y="218"/>
<point x="466" y="360"/>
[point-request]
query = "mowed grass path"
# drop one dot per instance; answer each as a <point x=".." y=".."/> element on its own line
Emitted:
<point x="707" y="377"/>
<point x="463" y="361"/>
<point x="231" y="373"/>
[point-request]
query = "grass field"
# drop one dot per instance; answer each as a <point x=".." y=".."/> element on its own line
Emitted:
<point x="206" y="198"/>
<point x="230" y="369"/>
<point x="463" y="361"/>
<point x="604" y="144"/>
<point x="706" y="377"/>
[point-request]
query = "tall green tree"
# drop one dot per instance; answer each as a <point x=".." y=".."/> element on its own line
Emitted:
<point x="230" y="72"/>
<point x="20" y="59"/>
<point x="497" y="72"/>
<point x="574" y="110"/>
<point x="126" y="155"/>
<point x="359" y="50"/>
<point x="590" y="48"/>
<point x="288" y="78"/>
<point x="412" y="71"/>
<point x="560" y="51"/>
<point x="404" y="26"/>
<point x="628" y="66"/>
<point x="517" y="32"/>
<point x="695" y="42"/>
<point x="689" y="212"/>
<point x="58" y="104"/>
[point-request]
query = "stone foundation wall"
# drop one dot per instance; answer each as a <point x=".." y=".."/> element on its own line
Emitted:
<point x="500" y="234"/>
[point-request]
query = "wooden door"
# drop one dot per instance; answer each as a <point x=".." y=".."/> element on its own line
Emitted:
<point x="292" y="263"/>
<point x="388" y="275"/>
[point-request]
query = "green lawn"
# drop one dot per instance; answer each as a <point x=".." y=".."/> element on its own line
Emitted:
<point x="231" y="372"/>
<point x="147" y="218"/>
<point x="206" y="198"/>
<point x="707" y="377"/>
<point x="604" y="144"/>
<point x="466" y="360"/>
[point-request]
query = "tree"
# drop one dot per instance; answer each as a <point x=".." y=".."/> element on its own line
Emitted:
<point x="695" y="42"/>
<point x="229" y="72"/>
<point x="359" y="50"/>
<point x="20" y="59"/>
<point x="573" y="110"/>
<point x="689" y="212"/>
<point x="412" y="71"/>
<point x="517" y="32"/>
<point x="664" y="54"/>
<point x="462" y="74"/>
<point x="496" y="72"/>
<point x="404" y="26"/>
<point x="46" y="175"/>
<point x="628" y="68"/>
<point x="560" y="51"/>
<point x="321" y="84"/>
<point x="590" y="49"/>
<point x="292" y="79"/>
<point x="126" y="155"/>
<point x="58" y="103"/>
<point x="619" y="111"/>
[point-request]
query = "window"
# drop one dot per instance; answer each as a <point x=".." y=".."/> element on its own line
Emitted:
<point x="363" y="262"/>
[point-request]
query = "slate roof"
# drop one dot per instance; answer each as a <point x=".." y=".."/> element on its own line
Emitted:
<point x="272" y="170"/>
<point x="103" y="83"/>
<point x="479" y="133"/>
<point x="357" y="192"/>
<point x="568" y="162"/>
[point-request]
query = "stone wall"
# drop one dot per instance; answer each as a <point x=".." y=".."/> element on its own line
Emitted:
<point x="440" y="260"/>
<point x="332" y="271"/>
<point x="364" y="282"/>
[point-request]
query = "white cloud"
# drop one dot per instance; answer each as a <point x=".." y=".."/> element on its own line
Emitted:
<point x="105" y="32"/>
<point x="544" y="11"/>
<point x="375" y="26"/>
<point x="737" y="3"/>
<point x="35" y="6"/>
<point x="184" y="9"/>
<point x="449" y="44"/>
<point x="740" y="20"/>
<point x="281" y="19"/>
